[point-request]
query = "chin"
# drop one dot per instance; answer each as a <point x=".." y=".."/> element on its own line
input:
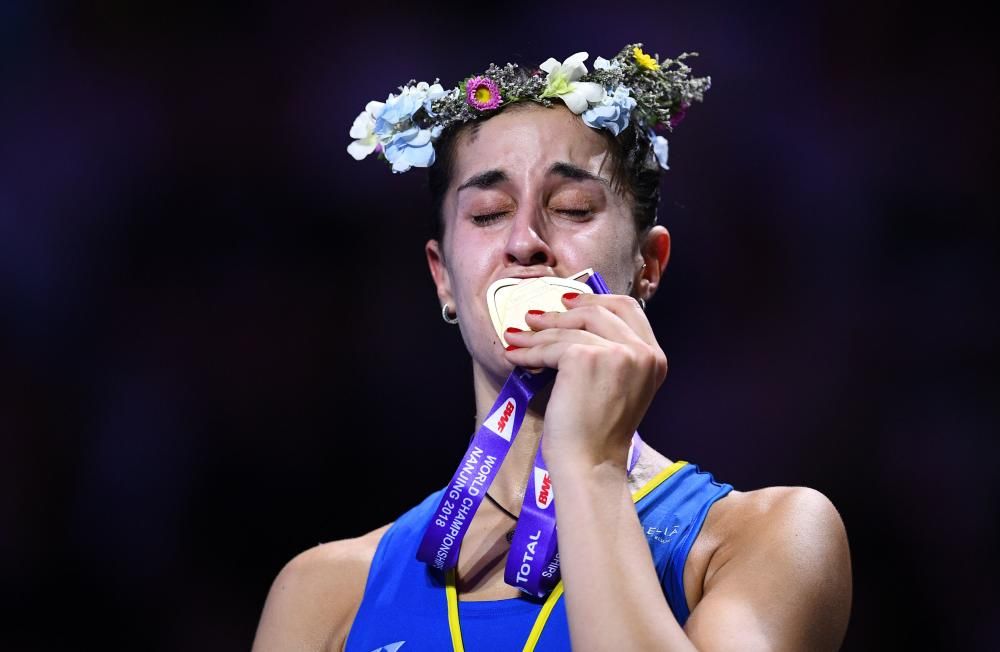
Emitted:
<point x="494" y="367"/>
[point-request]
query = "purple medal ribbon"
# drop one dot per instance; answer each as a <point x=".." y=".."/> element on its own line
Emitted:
<point x="533" y="561"/>
<point x="479" y="467"/>
<point x="535" y="537"/>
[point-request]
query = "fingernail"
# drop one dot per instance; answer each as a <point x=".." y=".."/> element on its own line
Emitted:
<point x="512" y="329"/>
<point x="569" y="296"/>
<point x="511" y="347"/>
<point x="536" y="312"/>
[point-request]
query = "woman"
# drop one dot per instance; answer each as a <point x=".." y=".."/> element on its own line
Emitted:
<point x="543" y="174"/>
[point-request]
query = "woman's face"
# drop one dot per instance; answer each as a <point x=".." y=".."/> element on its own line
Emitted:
<point x="530" y="195"/>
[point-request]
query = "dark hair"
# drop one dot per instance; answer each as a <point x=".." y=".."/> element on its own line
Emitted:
<point x="634" y="171"/>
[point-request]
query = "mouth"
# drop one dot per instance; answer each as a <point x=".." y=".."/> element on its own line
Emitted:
<point x="529" y="273"/>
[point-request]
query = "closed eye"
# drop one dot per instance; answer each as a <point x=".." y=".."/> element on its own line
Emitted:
<point x="574" y="213"/>
<point x="489" y="218"/>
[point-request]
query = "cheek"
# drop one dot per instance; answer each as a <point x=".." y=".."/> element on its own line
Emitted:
<point x="612" y="253"/>
<point x="473" y="261"/>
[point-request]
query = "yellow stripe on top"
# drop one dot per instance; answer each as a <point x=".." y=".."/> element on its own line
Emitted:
<point x="550" y="602"/>
<point x="452" y="593"/>
<point x="543" y="617"/>
<point x="657" y="480"/>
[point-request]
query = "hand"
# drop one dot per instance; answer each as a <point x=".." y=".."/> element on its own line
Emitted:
<point x="610" y="366"/>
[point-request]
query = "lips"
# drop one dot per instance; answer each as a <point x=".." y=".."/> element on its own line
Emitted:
<point x="528" y="274"/>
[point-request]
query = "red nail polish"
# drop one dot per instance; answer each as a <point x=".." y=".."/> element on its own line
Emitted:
<point x="511" y="347"/>
<point x="536" y="312"/>
<point x="569" y="296"/>
<point x="512" y="329"/>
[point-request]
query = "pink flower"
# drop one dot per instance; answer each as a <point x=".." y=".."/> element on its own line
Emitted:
<point x="677" y="117"/>
<point x="482" y="93"/>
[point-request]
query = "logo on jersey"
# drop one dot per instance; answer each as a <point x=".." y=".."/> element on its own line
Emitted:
<point x="391" y="647"/>
<point x="500" y="421"/>
<point x="543" y="488"/>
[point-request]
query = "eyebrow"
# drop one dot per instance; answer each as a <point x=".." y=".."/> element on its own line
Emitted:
<point x="491" y="178"/>
<point x="484" y="180"/>
<point x="570" y="171"/>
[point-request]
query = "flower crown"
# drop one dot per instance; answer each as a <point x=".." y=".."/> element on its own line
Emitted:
<point x="633" y="87"/>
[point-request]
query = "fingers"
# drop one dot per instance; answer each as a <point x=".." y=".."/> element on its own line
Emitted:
<point x="592" y="325"/>
<point x="551" y="355"/>
<point x="615" y="317"/>
<point x="524" y="339"/>
<point x="624" y="307"/>
<point x="555" y="348"/>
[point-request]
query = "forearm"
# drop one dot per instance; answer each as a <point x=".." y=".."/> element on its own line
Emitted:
<point x="613" y="596"/>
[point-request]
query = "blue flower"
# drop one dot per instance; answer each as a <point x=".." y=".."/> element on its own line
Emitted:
<point x="600" y="63"/>
<point x="410" y="148"/>
<point x="399" y="109"/>
<point x="660" y="149"/>
<point x="612" y="113"/>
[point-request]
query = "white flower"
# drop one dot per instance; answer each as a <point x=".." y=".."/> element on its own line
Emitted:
<point x="571" y="69"/>
<point x="363" y="130"/>
<point x="562" y="83"/>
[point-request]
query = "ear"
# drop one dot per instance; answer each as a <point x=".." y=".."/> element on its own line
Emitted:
<point x="655" y="252"/>
<point x="439" y="272"/>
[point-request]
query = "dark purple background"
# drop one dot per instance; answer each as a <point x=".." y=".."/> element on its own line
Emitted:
<point x="211" y="317"/>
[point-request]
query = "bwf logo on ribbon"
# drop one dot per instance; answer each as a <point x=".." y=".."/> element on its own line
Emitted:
<point x="543" y="488"/>
<point x="499" y="421"/>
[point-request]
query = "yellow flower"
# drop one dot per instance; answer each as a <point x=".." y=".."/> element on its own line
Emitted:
<point x="644" y="60"/>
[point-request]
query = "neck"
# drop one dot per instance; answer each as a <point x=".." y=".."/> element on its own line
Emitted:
<point x="512" y="479"/>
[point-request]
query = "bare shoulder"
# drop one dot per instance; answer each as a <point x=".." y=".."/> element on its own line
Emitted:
<point x="779" y="572"/>
<point x="779" y="507"/>
<point x="313" y="600"/>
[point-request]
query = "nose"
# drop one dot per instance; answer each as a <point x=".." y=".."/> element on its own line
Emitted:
<point x="526" y="242"/>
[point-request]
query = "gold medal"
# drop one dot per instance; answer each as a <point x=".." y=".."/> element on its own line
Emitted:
<point x="508" y="299"/>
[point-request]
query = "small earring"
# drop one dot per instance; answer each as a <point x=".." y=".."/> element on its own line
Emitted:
<point x="444" y="315"/>
<point x="642" y="302"/>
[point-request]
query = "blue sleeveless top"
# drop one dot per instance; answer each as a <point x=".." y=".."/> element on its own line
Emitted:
<point x="408" y="606"/>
